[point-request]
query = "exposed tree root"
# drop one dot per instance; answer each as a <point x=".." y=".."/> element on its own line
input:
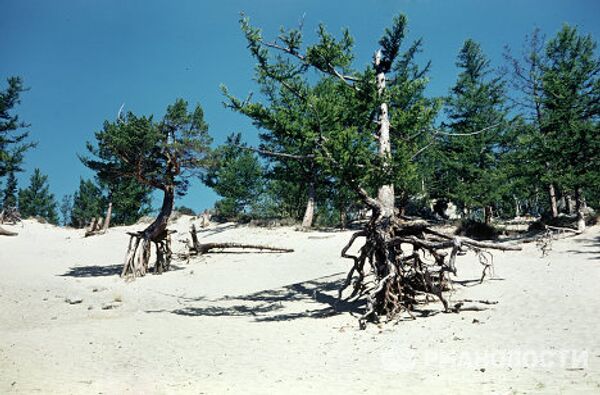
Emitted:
<point x="10" y="215"/>
<point x="139" y="250"/>
<point x="197" y="248"/>
<point x="407" y="262"/>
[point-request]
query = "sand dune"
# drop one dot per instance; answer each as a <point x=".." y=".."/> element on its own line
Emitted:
<point x="262" y="323"/>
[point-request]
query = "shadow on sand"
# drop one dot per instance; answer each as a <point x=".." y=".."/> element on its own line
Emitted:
<point x="271" y="304"/>
<point x="589" y="246"/>
<point x="101" y="271"/>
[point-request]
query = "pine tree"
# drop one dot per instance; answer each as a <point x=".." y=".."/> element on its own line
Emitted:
<point x="471" y="153"/>
<point x="571" y="106"/>
<point x="159" y="155"/>
<point x="88" y="203"/>
<point x="9" y="198"/>
<point x="532" y="169"/>
<point x="13" y="144"/>
<point x="130" y="199"/>
<point x="236" y="175"/>
<point x="355" y="141"/>
<point x="66" y="208"/>
<point x="36" y="200"/>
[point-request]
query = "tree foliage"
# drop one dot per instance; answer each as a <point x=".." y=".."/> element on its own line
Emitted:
<point x="236" y="175"/>
<point x="9" y="197"/>
<point x="36" y="200"/>
<point x="469" y="171"/>
<point x="88" y="203"/>
<point x="13" y="141"/>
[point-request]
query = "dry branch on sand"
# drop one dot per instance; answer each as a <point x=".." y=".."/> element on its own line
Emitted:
<point x="197" y="248"/>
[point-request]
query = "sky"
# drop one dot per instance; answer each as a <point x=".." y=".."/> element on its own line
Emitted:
<point x="82" y="59"/>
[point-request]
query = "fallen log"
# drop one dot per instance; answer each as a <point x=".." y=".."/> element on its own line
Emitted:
<point x="198" y="248"/>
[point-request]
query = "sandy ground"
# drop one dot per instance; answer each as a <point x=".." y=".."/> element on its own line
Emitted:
<point x="264" y="323"/>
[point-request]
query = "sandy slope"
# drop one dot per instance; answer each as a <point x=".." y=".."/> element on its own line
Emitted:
<point x="261" y="323"/>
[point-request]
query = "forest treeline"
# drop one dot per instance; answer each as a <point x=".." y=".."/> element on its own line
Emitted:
<point x="518" y="138"/>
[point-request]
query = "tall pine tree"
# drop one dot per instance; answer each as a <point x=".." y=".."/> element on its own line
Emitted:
<point x="571" y="107"/>
<point x="469" y="169"/>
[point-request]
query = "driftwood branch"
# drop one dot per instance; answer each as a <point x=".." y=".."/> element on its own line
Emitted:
<point x="198" y="248"/>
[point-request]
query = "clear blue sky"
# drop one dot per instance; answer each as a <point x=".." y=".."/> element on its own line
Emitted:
<point x="83" y="58"/>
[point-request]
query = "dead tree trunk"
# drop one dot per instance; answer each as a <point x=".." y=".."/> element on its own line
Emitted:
<point x="579" y="206"/>
<point x="309" y="213"/>
<point x="138" y="252"/>
<point x="99" y="226"/>
<point x="488" y="214"/>
<point x="197" y="248"/>
<point x="108" y="216"/>
<point x="385" y="194"/>
<point x="553" y="202"/>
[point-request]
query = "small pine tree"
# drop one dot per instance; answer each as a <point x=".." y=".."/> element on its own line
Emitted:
<point x="66" y="207"/>
<point x="88" y="203"/>
<point x="13" y="144"/>
<point x="236" y="175"/>
<point x="9" y="198"/>
<point x="131" y="200"/>
<point x="36" y="200"/>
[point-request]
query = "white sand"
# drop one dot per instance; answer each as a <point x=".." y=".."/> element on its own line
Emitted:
<point x="263" y="323"/>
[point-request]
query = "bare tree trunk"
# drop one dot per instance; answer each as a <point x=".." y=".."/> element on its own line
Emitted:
<point x="569" y="204"/>
<point x="579" y="205"/>
<point x="385" y="194"/>
<point x="309" y="213"/>
<point x="343" y="217"/>
<point x="553" y="203"/>
<point x="107" y="219"/>
<point x="488" y="214"/>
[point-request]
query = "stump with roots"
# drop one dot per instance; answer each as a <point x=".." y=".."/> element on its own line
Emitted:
<point x="139" y="252"/>
<point x="404" y="263"/>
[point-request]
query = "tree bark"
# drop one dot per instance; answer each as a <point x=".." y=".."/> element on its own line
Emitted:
<point x="488" y="213"/>
<point x="156" y="229"/>
<point x="107" y="219"/>
<point x="579" y="205"/>
<point x="343" y="217"/>
<point x="309" y="213"/>
<point x="569" y="204"/>
<point x="385" y="194"/>
<point x="553" y="203"/>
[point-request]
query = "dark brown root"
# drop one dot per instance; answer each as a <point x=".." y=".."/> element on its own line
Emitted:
<point x="408" y="263"/>
<point x="197" y="248"/>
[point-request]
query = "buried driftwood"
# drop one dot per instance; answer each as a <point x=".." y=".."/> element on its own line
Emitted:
<point x="4" y="232"/>
<point x="197" y="248"/>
